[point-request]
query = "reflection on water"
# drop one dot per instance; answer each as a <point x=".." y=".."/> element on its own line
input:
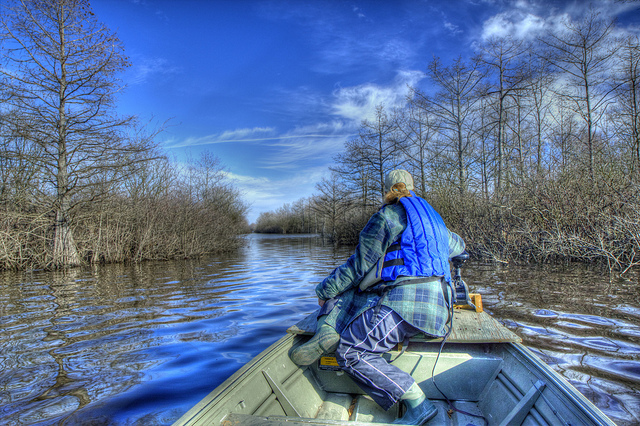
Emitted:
<point x="581" y="323"/>
<point x="143" y="343"/>
<point x="120" y="344"/>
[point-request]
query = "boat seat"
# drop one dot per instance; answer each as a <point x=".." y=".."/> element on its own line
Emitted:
<point x="521" y="410"/>
<point x="468" y="327"/>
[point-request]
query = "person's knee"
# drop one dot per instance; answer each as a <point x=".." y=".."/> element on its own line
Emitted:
<point x="346" y="355"/>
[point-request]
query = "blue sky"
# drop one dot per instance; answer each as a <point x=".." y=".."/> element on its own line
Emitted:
<point x="275" y="88"/>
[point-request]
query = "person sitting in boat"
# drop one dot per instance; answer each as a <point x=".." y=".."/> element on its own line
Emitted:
<point x="407" y="246"/>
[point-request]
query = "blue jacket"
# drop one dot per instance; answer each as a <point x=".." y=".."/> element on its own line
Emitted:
<point x="423" y="305"/>
<point x="423" y="248"/>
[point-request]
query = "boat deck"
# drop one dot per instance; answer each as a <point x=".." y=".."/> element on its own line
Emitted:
<point x="488" y="375"/>
<point x="334" y="399"/>
<point x="467" y="327"/>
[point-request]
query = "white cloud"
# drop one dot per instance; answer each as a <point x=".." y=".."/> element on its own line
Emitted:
<point x="344" y="53"/>
<point x="146" y="67"/>
<point x="527" y="19"/>
<point x="308" y="151"/>
<point x="256" y="134"/>
<point x="244" y="134"/>
<point x="455" y="29"/>
<point x="358" y="12"/>
<point x="517" y="24"/>
<point x="311" y="144"/>
<point x="358" y="103"/>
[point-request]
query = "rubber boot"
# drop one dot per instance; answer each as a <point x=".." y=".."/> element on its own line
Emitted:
<point x="325" y="340"/>
<point x="419" y="409"/>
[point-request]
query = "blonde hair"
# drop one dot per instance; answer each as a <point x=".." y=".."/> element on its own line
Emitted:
<point x="397" y="191"/>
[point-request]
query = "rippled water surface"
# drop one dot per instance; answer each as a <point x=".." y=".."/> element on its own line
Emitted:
<point x="141" y="344"/>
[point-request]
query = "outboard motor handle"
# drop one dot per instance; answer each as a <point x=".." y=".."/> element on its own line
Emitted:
<point x="461" y="291"/>
<point x="459" y="259"/>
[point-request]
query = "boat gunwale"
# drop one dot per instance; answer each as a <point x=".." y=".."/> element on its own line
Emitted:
<point x="233" y="381"/>
<point x="569" y="393"/>
<point x="574" y="395"/>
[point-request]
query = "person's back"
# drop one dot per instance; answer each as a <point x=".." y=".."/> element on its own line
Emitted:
<point x="409" y="245"/>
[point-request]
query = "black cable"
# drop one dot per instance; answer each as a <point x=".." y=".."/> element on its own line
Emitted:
<point x="433" y="379"/>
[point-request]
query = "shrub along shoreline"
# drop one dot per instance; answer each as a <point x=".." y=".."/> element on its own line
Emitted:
<point x="162" y="212"/>
<point x="551" y="222"/>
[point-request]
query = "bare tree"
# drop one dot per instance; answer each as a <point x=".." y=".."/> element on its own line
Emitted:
<point x="506" y="76"/>
<point x="379" y="146"/>
<point x="453" y="106"/>
<point x="59" y="76"/>
<point x="486" y="151"/>
<point x="419" y="130"/>
<point x="540" y="96"/>
<point x="583" y="54"/>
<point x="357" y="173"/>
<point x="626" y="114"/>
<point x="206" y="177"/>
<point x="562" y="136"/>
<point x="331" y="203"/>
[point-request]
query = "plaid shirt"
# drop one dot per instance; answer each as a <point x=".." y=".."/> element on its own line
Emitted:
<point x="422" y="305"/>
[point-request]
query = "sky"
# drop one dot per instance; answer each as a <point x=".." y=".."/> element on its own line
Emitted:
<point x="275" y="88"/>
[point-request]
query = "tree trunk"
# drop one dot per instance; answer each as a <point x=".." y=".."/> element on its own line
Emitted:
<point x="65" y="253"/>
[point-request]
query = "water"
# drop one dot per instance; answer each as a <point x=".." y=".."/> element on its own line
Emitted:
<point x="141" y="344"/>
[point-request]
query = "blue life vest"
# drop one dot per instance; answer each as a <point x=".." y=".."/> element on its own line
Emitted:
<point x="423" y="247"/>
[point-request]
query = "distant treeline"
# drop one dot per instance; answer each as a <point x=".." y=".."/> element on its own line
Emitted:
<point x="529" y="150"/>
<point x="79" y="183"/>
